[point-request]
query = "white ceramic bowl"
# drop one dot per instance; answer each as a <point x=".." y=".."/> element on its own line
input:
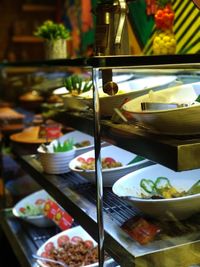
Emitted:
<point x="39" y="220"/>
<point x="127" y="90"/>
<point x="165" y="209"/>
<point x="77" y="231"/>
<point x="110" y="176"/>
<point x="176" y="121"/>
<point x="77" y="137"/>
<point x="55" y="162"/>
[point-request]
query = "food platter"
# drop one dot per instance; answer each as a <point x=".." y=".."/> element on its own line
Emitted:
<point x="128" y="162"/>
<point x="73" y="235"/>
<point x="172" y="208"/>
<point x="30" y="209"/>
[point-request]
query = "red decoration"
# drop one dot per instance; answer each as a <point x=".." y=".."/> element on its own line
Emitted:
<point x="150" y="7"/>
<point x="164" y="18"/>
<point x="54" y="212"/>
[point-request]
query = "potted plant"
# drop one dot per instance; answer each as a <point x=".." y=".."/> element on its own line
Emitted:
<point x="55" y="36"/>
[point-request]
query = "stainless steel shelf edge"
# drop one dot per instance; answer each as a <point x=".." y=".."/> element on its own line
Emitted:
<point x="19" y="243"/>
<point x="177" y="153"/>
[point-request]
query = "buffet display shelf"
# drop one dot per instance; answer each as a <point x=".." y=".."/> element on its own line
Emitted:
<point x="25" y="239"/>
<point x="78" y="197"/>
<point x="178" y="153"/>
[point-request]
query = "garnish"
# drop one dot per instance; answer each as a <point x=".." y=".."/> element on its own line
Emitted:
<point x="67" y="145"/>
<point x="76" y="85"/>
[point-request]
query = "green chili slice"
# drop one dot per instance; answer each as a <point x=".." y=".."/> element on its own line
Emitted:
<point x="147" y="185"/>
<point x="195" y="189"/>
<point x="162" y="182"/>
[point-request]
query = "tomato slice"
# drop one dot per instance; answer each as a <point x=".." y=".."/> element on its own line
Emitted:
<point x="109" y="160"/>
<point x="89" y="244"/>
<point x="90" y="160"/>
<point x="49" y="247"/>
<point x="76" y="239"/>
<point x="22" y="210"/>
<point x="81" y="159"/>
<point x="63" y="239"/>
<point x="39" y="201"/>
<point x="44" y="254"/>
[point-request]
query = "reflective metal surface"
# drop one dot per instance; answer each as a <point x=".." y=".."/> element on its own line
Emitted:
<point x="98" y="172"/>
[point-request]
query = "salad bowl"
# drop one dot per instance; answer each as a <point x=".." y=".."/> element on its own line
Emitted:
<point x="136" y="188"/>
<point x="30" y="209"/>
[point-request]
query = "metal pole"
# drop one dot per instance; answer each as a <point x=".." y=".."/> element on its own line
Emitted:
<point x="98" y="169"/>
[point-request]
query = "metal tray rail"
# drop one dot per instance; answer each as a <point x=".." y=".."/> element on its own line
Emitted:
<point x="116" y="208"/>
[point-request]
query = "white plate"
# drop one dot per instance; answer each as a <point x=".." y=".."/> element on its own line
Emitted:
<point x="40" y="220"/>
<point x="165" y="209"/>
<point x="75" y="231"/>
<point x="110" y="176"/>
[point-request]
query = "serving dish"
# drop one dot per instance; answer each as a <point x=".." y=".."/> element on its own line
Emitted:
<point x="126" y="90"/>
<point x="74" y="234"/>
<point x="130" y="189"/>
<point x="171" y="121"/>
<point x="36" y="199"/>
<point x="129" y="161"/>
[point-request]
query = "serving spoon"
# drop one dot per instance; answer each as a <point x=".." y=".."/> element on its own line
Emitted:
<point x="49" y="260"/>
<point x="150" y="197"/>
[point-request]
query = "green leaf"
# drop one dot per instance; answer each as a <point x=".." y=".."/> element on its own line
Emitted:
<point x="75" y="82"/>
<point x="136" y="159"/>
<point x="198" y="99"/>
<point x="66" y="146"/>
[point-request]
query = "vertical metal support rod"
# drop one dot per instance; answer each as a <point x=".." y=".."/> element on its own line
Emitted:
<point x="98" y="169"/>
<point x="106" y="76"/>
